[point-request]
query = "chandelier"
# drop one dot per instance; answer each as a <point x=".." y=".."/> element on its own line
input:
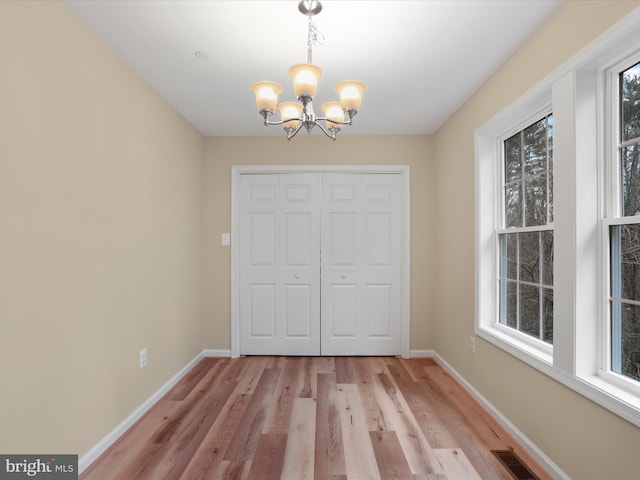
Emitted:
<point x="295" y="115"/>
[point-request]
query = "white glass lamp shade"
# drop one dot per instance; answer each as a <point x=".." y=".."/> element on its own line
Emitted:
<point x="305" y="79"/>
<point x="289" y="111"/>
<point x="266" y="95"/>
<point x="350" y="93"/>
<point x="334" y="113"/>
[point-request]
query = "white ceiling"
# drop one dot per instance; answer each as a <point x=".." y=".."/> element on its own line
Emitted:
<point x="420" y="60"/>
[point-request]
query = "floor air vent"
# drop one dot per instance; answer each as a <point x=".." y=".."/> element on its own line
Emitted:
<point x="514" y="465"/>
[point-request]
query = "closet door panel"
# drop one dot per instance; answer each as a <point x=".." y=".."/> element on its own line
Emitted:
<point x="279" y="264"/>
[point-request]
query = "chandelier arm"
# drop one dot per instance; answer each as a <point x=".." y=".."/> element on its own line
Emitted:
<point x="269" y="123"/>
<point x="348" y="122"/>
<point x="280" y="122"/>
<point x="324" y="130"/>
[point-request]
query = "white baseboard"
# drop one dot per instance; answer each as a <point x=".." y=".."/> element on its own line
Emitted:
<point x="216" y="353"/>
<point x="89" y="457"/>
<point x="520" y="437"/>
<point x="422" y="353"/>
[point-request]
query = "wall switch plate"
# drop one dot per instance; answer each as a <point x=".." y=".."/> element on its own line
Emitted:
<point x="143" y="358"/>
<point x="226" y="239"/>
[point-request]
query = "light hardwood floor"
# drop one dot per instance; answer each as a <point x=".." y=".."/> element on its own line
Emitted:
<point x="295" y="418"/>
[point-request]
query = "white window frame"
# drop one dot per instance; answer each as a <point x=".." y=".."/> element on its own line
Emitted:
<point x="489" y="223"/>
<point x="576" y="95"/>
<point x="613" y="215"/>
<point x="531" y="344"/>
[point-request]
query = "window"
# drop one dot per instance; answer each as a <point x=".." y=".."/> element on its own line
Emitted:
<point x="558" y="224"/>
<point x="624" y="228"/>
<point x="526" y="241"/>
<point x="515" y="236"/>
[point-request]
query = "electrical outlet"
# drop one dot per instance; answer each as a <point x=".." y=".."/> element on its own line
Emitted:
<point x="143" y="358"/>
<point x="225" y="239"/>
<point x="472" y="344"/>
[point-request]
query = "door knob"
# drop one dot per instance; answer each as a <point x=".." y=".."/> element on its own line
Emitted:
<point x="296" y="276"/>
<point x="343" y="276"/>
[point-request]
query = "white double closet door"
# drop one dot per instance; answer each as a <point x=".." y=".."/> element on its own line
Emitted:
<point x="320" y="264"/>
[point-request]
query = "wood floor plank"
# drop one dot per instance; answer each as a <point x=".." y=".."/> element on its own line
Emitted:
<point x="255" y="418"/>
<point x="344" y="371"/>
<point x="487" y="429"/>
<point x="376" y="364"/>
<point x="173" y="459"/>
<point x="251" y="374"/>
<point x="456" y="464"/>
<point x="120" y="455"/>
<point x="485" y="426"/>
<point x="286" y="389"/>
<point x="427" y="362"/>
<point x="326" y="364"/>
<point x="421" y="403"/>
<point x="359" y="457"/>
<point x="182" y="428"/>
<point x="365" y="380"/>
<point x="299" y="454"/>
<point x="245" y="440"/>
<point x="390" y="458"/>
<point x="399" y="415"/>
<point x="194" y="376"/>
<point x="208" y="461"/>
<point x="422" y="396"/>
<point x="235" y="470"/>
<point x="269" y="458"/>
<point x="329" y="450"/>
<point x="308" y="387"/>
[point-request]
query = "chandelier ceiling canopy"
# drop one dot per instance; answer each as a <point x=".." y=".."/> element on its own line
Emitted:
<point x="296" y="115"/>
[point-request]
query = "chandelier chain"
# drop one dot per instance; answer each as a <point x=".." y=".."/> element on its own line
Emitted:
<point x="315" y="37"/>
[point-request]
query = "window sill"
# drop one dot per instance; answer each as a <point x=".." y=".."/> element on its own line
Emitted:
<point x="596" y="388"/>
<point x="519" y="345"/>
<point x="609" y="395"/>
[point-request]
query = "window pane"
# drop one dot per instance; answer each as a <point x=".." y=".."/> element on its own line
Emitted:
<point x="530" y="310"/>
<point x="536" y="201"/>
<point x="630" y="261"/>
<point x="630" y="168"/>
<point x="513" y="205"/>
<point x="547" y="257"/>
<point x="535" y="148"/>
<point x="547" y="315"/>
<point x="513" y="158"/>
<point x="510" y="316"/>
<point x="629" y="350"/>
<point x="530" y="257"/>
<point x="630" y="96"/>
<point x="512" y="256"/>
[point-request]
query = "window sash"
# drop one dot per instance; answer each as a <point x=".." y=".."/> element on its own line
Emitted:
<point x="611" y="340"/>
<point x="507" y="280"/>
<point x="515" y="175"/>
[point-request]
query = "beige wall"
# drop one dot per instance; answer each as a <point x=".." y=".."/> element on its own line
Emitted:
<point x="222" y="153"/>
<point x="585" y="440"/>
<point x="100" y="231"/>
